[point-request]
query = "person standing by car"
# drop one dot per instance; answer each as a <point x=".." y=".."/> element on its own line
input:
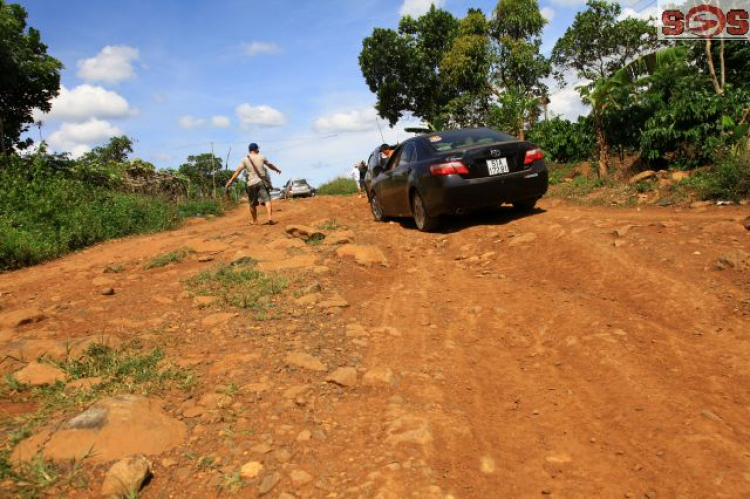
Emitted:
<point x="258" y="182"/>
<point x="362" y="172"/>
<point x="355" y="175"/>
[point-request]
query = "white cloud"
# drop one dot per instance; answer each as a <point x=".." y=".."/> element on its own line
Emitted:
<point x="112" y="65"/>
<point x="567" y="104"/>
<point x="220" y="122"/>
<point x="548" y="13"/>
<point x="357" y="120"/>
<point x="255" y="48"/>
<point x="77" y="138"/>
<point x="416" y="8"/>
<point x="653" y="13"/>
<point x="262" y="116"/>
<point x="569" y="3"/>
<point x="190" y="122"/>
<point x="87" y="101"/>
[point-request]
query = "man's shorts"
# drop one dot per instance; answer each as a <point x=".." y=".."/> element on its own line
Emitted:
<point x="257" y="194"/>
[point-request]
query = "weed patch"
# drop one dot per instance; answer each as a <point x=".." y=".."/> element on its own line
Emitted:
<point x="167" y="258"/>
<point x="239" y="286"/>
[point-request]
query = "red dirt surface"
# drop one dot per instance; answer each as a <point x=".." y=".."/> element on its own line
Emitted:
<point x="570" y="352"/>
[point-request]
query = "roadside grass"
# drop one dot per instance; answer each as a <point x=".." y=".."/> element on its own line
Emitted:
<point x="330" y="225"/>
<point x="727" y="180"/>
<point x="167" y="258"/>
<point x="201" y="207"/>
<point x="127" y="370"/>
<point x="558" y="172"/>
<point x="239" y="286"/>
<point x="339" y="186"/>
<point x="580" y="187"/>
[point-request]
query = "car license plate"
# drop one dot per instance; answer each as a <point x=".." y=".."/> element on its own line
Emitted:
<point x="497" y="166"/>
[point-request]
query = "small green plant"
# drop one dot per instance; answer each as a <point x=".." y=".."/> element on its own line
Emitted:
<point x="558" y="172"/>
<point x="232" y="483"/>
<point x="315" y="240"/>
<point x="240" y="286"/>
<point x="339" y="186"/>
<point x="167" y="258"/>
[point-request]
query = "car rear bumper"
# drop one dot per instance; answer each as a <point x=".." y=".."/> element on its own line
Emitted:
<point x="452" y="194"/>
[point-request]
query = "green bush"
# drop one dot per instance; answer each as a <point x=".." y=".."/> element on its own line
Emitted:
<point x="729" y="179"/>
<point x="564" y="141"/>
<point x="339" y="186"/>
<point x="45" y="214"/>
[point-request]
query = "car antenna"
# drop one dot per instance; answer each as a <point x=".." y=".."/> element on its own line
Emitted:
<point x="380" y="130"/>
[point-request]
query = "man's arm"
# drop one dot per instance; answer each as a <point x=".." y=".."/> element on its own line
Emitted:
<point x="234" y="176"/>
<point x="272" y="167"/>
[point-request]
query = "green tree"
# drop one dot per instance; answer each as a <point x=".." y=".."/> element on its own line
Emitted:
<point x="519" y="67"/>
<point x="29" y="77"/>
<point x="465" y="68"/>
<point x="201" y="170"/>
<point x="595" y="46"/>
<point x="402" y="67"/>
<point x="116" y="150"/>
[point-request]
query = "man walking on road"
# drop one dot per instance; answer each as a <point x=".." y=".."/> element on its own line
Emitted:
<point x="258" y="183"/>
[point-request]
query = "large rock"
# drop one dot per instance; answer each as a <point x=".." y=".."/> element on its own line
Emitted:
<point x="339" y="237"/>
<point x="305" y="361"/>
<point x="343" y="376"/>
<point x="286" y="244"/>
<point x="36" y="374"/>
<point x="304" y="232"/>
<point x="29" y="350"/>
<point x="21" y="317"/>
<point x="642" y="176"/>
<point x="735" y="259"/>
<point x="522" y="239"/>
<point x="126" y="477"/>
<point x="364" y="255"/>
<point x="113" y="428"/>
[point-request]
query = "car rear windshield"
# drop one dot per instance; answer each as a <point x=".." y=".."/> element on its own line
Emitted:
<point x="461" y="139"/>
<point x="300" y="182"/>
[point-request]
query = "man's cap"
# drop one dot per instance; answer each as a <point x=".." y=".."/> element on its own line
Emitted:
<point x="252" y="147"/>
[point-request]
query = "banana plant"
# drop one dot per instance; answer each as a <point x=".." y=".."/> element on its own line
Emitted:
<point x="599" y="94"/>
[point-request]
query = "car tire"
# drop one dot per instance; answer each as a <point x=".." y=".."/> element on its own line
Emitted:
<point x="376" y="208"/>
<point x="525" y="205"/>
<point x="425" y="222"/>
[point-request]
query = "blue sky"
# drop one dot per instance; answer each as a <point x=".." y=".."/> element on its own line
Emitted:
<point x="178" y="75"/>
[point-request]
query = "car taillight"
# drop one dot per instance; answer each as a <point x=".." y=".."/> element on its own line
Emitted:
<point x="532" y="155"/>
<point x="449" y="168"/>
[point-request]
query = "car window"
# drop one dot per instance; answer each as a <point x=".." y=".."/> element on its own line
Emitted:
<point x="460" y="139"/>
<point x="407" y="154"/>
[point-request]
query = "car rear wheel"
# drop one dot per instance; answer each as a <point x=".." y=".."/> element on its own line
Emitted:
<point x="376" y="208"/>
<point x="424" y="221"/>
<point x="525" y="205"/>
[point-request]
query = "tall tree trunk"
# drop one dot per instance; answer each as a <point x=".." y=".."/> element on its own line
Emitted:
<point x="601" y="142"/>
<point x="718" y="84"/>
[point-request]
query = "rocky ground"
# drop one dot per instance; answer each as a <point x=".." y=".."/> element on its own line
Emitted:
<point x="570" y="352"/>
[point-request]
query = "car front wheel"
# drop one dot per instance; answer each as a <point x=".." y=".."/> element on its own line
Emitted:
<point x="424" y="221"/>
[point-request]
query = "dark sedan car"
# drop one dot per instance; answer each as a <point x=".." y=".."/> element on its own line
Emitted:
<point x="454" y="172"/>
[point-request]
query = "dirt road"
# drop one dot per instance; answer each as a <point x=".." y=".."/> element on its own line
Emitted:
<point x="571" y="352"/>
